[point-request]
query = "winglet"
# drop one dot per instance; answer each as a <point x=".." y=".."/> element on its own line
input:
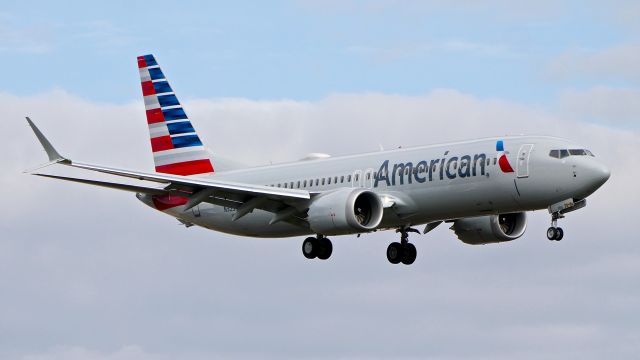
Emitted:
<point x="54" y="156"/>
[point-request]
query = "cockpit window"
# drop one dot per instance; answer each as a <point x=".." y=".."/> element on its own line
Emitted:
<point x="563" y="153"/>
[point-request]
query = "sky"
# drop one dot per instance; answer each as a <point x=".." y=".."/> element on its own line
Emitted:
<point x="89" y="273"/>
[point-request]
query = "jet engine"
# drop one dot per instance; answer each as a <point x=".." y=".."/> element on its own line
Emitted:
<point x="490" y="229"/>
<point x="345" y="211"/>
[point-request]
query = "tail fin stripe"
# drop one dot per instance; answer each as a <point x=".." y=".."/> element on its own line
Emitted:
<point x="148" y="88"/>
<point x="150" y="60"/>
<point x="168" y="100"/>
<point x="162" y="87"/>
<point x="182" y="127"/>
<point x="187" y="167"/>
<point x="151" y="102"/>
<point x="174" y="114"/>
<point x="173" y="156"/>
<point x="161" y="143"/>
<point x="186" y="141"/>
<point x="155" y="116"/>
<point x="157" y="130"/>
<point x="144" y="75"/>
<point x="155" y="73"/>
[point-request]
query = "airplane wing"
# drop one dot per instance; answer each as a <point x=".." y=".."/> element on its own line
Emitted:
<point x="288" y="205"/>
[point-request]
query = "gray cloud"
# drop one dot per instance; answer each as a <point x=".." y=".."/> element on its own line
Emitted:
<point x="620" y="63"/>
<point x="92" y="273"/>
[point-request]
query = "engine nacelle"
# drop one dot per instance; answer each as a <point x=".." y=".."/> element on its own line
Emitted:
<point x="345" y="211"/>
<point x="490" y="229"/>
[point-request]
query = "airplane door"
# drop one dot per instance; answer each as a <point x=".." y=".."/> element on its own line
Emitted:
<point x="368" y="178"/>
<point x="356" y="181"/>
<point x="522" y="164"/>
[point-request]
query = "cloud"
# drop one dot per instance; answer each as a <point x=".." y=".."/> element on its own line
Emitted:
<point x="24" y="39"/>
<point x="618" y="107"/>
<point x="129" y="352"/>
<point x="495" y="8"/>
<point x="618" y="63"/>
<point x="87" y="272"/>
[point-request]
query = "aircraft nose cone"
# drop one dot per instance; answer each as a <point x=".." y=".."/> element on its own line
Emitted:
<point x="598" y="174"/>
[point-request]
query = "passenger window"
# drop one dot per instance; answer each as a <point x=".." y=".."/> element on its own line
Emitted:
<point x="554" y="154"/>
<point x="279" y="185"/>
<point x="291" y="184"/>
<point x="564" y="153"/>
<point x="305" y="183"/>
<point x="298" y="184"/>
<point x="341" y="179"/>
<point x="348" y="178"/>
<point x="357" y="177"/>
<point x="336" y="180"/>
<point x="488" y="161"/>
<point x="322" y="181"/>
<point x="495" y="160"/>
<point x="368" y="176"/>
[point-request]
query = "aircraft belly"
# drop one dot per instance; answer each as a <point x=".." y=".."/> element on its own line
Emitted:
<point x="255" y="224"/>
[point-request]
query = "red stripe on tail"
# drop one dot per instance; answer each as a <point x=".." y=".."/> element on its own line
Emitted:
<point x="161" y="143"/>
<point x="147" y="88"/>
<point x="142" y="63"/>
<point x="154" y="116"/>
<point x="187" y="168"/>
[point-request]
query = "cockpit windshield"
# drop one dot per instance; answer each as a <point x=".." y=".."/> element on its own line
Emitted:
<point x="563" y="153"/>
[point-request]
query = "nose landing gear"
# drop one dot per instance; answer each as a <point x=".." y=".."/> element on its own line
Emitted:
<point x="402" y="251"/>
<point x="317" y="247"/>
<point x="554" y="232"/>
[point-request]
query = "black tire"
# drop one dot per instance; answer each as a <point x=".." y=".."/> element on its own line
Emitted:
<point x="325" y="249"/>
<point x="551" y="233"/>
<point x="394" y="253"/>
<point x="310" y="247"/>
<point x="559" y="234"/>
<point x="409" y="254"/>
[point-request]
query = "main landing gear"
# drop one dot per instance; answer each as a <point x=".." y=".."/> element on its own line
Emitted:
<point x="402" y="251"/>
<point x="554" y="232"/>
<point x="317" y="247"/>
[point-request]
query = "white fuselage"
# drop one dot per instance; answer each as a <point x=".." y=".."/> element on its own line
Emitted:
<point x="421" y="184"/>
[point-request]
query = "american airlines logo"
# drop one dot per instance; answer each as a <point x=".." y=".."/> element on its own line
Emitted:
<point x="440" y="169"/>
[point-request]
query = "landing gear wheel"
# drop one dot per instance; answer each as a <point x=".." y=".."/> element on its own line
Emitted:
<point x="555" y="233"/>
<point x="310" y="247"/>
<point x="325" y="248"/>
<point x="409" y="254"/>
<point x="395" y="252"/>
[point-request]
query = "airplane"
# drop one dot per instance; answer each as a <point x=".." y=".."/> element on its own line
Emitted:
<point x="482" y="187"/>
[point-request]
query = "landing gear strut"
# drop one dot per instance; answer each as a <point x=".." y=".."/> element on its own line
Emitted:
<point x="402" y="251"/>
<point x="554" y="232"/>
<point x="317" y="247"/>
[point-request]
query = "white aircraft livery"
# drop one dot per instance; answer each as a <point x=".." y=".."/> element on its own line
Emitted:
<point x="482" y="187"/>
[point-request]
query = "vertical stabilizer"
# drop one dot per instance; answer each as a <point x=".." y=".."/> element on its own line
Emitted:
<point x="177" y="148"/>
